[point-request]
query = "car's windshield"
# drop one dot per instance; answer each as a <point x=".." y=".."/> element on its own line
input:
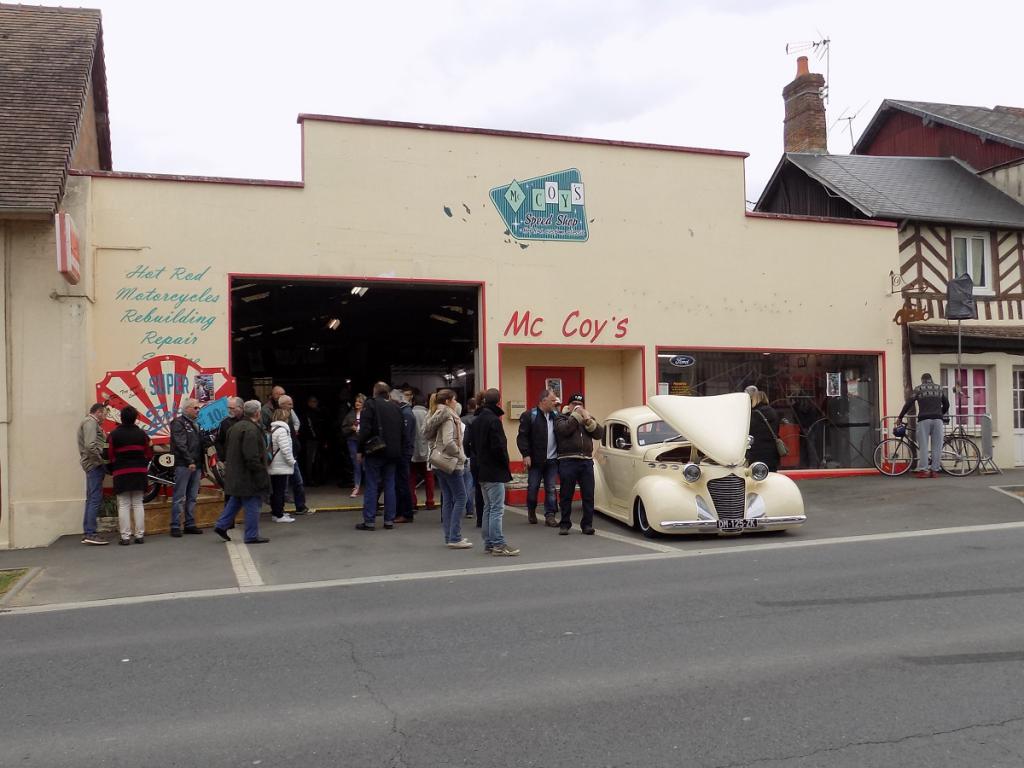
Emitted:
<point x="654" y="432"/>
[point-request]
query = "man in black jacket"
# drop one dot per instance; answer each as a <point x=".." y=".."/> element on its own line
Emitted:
<point x="189" y="446"/>
<point x="381" y="445"/>
<point x="404" y="506"/>
<point x="932" y="407"/>
<point x="575" y="432"/>
<point x="246" y="480"/>
<point x="536" y="443"/>
<point x="490" y="455"/>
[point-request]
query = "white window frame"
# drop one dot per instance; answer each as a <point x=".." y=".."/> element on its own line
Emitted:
<point x="971" y="415"/>
<point x="988" y="288"/>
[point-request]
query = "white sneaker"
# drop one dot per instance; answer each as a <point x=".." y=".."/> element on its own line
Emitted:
<point x="461" y="544"/>
<point x="285" y="518"/>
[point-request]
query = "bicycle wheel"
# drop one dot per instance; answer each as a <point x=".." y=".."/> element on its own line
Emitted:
<point x="894" y="456"/>
<point x="960" y="456"/>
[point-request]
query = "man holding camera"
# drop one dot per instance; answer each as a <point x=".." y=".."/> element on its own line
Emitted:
<point x="575" y="432"/>
<point x="932" y="410"/>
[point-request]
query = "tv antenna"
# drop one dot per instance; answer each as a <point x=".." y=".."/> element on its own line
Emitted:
<point x="849" y="118"/>
<point x="819" y="47"/>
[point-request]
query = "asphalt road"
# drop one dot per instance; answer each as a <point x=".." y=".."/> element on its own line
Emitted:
<point x="905" y="652"/>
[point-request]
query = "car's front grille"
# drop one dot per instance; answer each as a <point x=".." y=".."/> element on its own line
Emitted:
<point x="728" y="494"/>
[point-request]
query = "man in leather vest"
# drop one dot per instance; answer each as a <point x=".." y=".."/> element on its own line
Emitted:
<point x="932" y="407"/>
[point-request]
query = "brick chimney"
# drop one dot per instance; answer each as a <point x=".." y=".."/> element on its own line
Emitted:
<point x="804" y="127"/>
<point x="1018" y="111"/>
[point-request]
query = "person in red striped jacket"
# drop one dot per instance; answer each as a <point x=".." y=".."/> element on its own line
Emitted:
<point x="130" y="451"/>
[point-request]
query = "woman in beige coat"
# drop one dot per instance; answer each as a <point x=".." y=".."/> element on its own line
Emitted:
<point x="444" y="430"/>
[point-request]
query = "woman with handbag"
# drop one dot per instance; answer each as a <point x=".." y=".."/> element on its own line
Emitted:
<point x="444" y="430"/>
<point x="764" y="429"/>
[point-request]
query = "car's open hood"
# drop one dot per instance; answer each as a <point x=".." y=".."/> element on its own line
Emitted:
<point x="717" y="425"/>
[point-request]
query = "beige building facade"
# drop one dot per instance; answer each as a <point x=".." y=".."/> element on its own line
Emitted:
<point x="672" y="272"/>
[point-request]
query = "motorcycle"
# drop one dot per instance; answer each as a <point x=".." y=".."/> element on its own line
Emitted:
<point x="161" y="471"/>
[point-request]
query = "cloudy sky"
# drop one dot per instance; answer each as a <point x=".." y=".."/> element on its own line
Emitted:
<point x="214" y="87"/>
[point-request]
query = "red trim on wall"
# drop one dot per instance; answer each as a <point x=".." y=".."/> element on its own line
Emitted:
<point x="190" y="179"/>
<point x="820" y="219"/>
<point x="518" y="134"/>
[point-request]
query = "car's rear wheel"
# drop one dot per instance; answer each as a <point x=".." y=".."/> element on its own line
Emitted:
<point x="642" y="523"/>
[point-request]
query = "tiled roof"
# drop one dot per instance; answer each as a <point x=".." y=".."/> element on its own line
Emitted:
<point x="1002" y="124"/>
<point x="923" y="188"/>
<point x="47" y="60"/>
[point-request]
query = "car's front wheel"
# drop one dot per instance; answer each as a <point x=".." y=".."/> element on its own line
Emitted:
<point x="642" y="522"/>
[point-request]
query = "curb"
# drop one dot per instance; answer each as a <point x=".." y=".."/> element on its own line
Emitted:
<point x="20" y="584"/>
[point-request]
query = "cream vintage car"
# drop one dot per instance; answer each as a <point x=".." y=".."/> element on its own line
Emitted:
<point x="678" y="465"/>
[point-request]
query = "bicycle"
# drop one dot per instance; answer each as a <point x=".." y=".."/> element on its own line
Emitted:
<point x="894" y="456"/>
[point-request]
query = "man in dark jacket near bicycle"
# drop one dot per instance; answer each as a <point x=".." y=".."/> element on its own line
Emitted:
<point x="932" y="410"/>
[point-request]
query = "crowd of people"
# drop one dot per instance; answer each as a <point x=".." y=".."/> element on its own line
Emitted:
<point x="396" y="440"/>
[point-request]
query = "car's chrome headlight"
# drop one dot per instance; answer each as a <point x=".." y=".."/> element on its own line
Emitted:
<point x="691" y="472"/>
<point x="759" y="470"/>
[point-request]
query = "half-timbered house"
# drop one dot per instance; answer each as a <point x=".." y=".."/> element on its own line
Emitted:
<point x="951" y="178"/>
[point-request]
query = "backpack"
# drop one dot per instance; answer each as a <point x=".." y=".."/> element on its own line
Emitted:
<point x="270" y="442"/>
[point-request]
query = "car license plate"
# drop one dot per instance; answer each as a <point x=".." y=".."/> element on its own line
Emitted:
<point x="736" y="525"/>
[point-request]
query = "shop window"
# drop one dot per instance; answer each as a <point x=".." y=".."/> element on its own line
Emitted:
<point x="972" y="402"/>
<point x="828" y="402"/>
<point x="970" y="257"/>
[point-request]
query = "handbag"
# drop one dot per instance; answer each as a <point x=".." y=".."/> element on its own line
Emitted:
<point x="443" y="461"/>
<point x="780" y="446"/>
<point x="374" y="443"/>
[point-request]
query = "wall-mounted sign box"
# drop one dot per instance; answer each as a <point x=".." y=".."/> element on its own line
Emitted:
<point x="68" y="260"/>
<point x="550" y="207"/>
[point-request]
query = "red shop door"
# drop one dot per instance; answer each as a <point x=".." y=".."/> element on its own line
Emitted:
<point x="565" y="382"/>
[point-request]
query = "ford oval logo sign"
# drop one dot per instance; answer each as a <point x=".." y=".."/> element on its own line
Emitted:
<point x="682" y="361"/>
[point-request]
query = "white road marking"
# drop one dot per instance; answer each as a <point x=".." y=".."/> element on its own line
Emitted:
<point x="675" y="554"/>
<point x="1011" y="494"/>
<point x="243" y="566"/>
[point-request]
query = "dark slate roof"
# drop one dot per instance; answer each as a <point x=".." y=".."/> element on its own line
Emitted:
<point x="1002" y="124"/>
<point x="923" y="188"/>
<point x="48" y="59"/>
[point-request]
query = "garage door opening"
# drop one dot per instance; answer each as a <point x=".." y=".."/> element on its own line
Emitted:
<point x="333" y="338"/>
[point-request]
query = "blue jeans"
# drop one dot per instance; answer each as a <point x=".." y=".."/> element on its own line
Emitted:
<point x="571" y="472"/>
<point x="467" y="478"/>
<point x="93" y="498"/>
<point x="251" y="505"/>
<point x="297" y="487"/>
<point x="357" y="468"/>
<point x="378" y="473"/>
<point x="453" y="504"/>
<point x="186" y="488"/>
<point x="929" y="428"/>
<point x="494" y="511"/>
<point x="548" y="472"/>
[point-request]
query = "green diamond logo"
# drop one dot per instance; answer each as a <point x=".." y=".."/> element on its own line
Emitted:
<point x="515" y="196"/>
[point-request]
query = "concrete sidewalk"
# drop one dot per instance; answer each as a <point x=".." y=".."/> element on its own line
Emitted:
<point x="326" y="546"/>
